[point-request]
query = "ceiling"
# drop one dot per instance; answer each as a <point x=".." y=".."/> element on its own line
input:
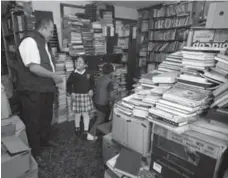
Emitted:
<point x="135" y="4"/>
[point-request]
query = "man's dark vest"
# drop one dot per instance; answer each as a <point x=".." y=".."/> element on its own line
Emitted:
<point x="29" y="81"/>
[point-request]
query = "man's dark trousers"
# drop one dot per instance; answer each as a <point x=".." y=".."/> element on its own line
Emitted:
<point x="36" y="113"/>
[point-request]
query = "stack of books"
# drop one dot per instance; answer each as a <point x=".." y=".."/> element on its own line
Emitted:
<point x="198" y="59"/>
<point x="69" y="65"/>
<point x="178" y="107"/>
<point x="87" y="38"/>
<point x="120" y="79"/>
<point x="76" y="46"/>
<point x="108" y="18"/>
<point x="173" y="62"/>
<point x="99" y="40"/>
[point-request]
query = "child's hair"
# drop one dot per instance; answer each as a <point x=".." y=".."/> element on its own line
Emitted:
<point x="107" y="68"/>
<point x="83" y="58"/>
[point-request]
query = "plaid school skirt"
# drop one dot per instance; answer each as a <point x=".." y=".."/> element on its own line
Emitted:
<point x="82" y="103"/>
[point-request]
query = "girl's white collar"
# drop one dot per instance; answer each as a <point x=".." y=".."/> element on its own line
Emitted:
<point x="79" y="72"/>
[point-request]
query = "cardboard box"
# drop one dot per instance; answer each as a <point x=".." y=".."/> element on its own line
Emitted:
<point x="15" y="157"/>
<point x="33" y="172"/>
<point x="8" y="128"/>
<point x="20" y="128"/>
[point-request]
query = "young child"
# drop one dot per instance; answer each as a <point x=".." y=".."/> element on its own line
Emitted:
<point x="80" y="87"/>
<point x="103" y="96"/>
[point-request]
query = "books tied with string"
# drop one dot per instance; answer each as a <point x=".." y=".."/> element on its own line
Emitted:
<point x="178" y="107"/>
<point x="172" y="63"/>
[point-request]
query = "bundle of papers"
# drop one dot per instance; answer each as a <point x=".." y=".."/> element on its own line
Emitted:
<point x="198" y="59"/>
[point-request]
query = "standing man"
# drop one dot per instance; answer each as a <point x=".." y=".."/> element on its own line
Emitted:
<point x="36" y="84"/>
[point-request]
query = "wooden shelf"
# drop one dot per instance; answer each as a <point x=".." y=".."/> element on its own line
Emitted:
<point x="171" y="16"/>
<point x="171" y="28"/>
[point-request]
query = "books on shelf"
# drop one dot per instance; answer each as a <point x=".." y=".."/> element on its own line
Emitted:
<point x="168" y="23"/>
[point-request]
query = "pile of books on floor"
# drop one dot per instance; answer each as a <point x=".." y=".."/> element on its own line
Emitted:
<point x="173" y="62"/>
<point x="99" y="40"/>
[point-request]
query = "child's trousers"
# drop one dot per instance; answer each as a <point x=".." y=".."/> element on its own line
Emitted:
<point x="86" y="120"/>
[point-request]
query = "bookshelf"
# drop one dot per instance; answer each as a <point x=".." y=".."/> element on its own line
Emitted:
<point x="15" y="25"/>
<point x="163" y="29"/>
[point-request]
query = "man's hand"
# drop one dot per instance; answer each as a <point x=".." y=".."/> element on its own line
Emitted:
<point x="90" y="93"/>
<point x="57" y="78"/>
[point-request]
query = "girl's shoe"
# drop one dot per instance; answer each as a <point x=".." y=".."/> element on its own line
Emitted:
<point x="91" y="137"/>
<point x="77" y="132"/>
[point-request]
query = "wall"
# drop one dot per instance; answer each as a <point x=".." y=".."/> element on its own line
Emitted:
<point x="54" y="6"/>
<point x="126" y="13"/>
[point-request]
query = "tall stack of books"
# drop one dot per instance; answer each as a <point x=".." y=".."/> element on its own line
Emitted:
<point x="99" y="39"/>
<point x="72" y="35"/>
<point x="173" y="62"/>
<point x="61" y="105"/>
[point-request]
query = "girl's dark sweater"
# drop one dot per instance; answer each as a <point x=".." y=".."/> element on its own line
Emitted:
<point x="80" y="83"/>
